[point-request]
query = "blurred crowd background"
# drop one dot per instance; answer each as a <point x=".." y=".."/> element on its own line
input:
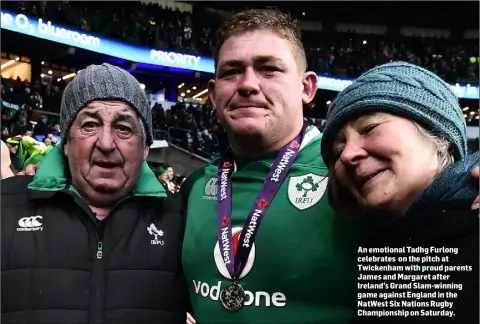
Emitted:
<point x="194" y="126"/>
<point x="336" y="54"/>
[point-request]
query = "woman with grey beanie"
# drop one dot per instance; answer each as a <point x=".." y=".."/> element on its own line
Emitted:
<point x="395" y="145"/>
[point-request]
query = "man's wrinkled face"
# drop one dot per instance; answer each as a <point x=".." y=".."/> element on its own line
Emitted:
<point x="105" y="150"/>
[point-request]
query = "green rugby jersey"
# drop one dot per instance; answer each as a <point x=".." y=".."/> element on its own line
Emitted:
<point x="302" y="266"/>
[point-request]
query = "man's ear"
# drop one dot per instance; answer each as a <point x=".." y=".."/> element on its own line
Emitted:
<point x="211" y="92"/>
<point x="146" y="150"/>
<point x="65" y="147"/>
<point x="310" y="86"/>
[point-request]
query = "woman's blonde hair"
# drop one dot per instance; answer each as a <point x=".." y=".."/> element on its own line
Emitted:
<point x="342" y="201"/>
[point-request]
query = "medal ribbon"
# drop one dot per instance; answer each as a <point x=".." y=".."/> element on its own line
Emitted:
<point x="273" y="181"/>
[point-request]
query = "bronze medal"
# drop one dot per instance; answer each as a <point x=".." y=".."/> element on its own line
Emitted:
<point x="233" y="297"/>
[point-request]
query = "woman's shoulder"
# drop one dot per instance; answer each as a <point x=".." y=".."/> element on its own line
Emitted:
<point x="445" y="207"/>
<point x="451" y="186"/>
<point x="444" y="221"/>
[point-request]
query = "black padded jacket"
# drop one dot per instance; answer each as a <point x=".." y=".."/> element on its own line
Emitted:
<point x="60" y="265"/>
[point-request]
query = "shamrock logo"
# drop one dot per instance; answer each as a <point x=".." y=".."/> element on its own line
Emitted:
<point x="307" y="185"/>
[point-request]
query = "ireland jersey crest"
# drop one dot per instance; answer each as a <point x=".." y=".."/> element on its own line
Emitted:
<point x="306" y="191"/>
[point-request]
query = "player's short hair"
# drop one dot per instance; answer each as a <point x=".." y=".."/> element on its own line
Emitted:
<point x="275" y="21"/>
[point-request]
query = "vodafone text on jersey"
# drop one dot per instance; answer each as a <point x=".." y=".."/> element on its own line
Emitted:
<point x="257" y="298"/>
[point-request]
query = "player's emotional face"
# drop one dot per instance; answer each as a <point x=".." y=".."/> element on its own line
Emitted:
<point x="105" y="147"/>
<point x="258" y="87"/>
<point x="384" y="161"/>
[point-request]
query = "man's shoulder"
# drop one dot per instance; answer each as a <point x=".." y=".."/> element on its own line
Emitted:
<point x="15" y="185"/>
<point x="310" y="157"/>
<point x="15" y="193"/>
<point x="195" y="176"/>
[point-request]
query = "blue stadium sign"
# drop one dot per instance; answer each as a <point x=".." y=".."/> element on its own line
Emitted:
<point x="37" y="27"/>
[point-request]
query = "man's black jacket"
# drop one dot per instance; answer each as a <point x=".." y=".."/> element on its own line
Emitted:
<point x="59" y="265"/>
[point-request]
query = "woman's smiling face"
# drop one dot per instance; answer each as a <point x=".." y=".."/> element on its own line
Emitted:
<point x="384" y="161"/>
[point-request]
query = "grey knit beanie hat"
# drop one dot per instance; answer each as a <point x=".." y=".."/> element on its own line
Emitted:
<point x="405" y="90"/>
<point x="104" y="82"/>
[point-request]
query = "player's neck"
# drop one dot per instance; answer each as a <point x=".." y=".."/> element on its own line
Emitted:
<point x="252" y="148"/>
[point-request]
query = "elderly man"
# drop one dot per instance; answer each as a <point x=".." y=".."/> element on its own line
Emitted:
<point x="90" y="238"/>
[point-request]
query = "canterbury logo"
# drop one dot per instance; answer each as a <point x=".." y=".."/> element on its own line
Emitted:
<point x="30" y="224"/>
